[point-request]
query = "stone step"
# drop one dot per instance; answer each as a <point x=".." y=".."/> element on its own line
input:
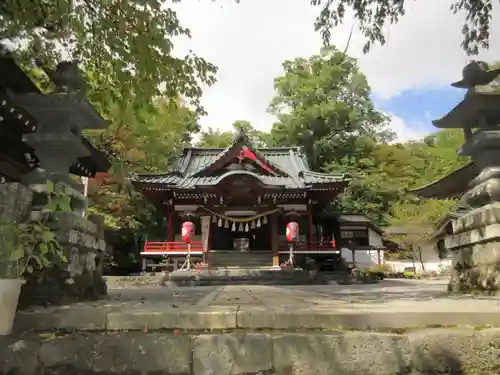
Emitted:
<point x="240" y="259"/>
<point x="247" y="276"/>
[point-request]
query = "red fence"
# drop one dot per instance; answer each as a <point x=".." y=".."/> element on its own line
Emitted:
<point x="171" y="247"/>
<point x="312" y="246"/>
<point x="158" y="248"/>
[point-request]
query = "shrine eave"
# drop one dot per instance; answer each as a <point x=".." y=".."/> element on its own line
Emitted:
<point x="464" y="114"/>
<point x="304" y="181"/>
<point x="451" y="186"/>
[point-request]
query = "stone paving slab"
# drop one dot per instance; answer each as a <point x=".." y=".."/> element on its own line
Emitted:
<point x="200" y="319"/>
<point x="266" y="307"/>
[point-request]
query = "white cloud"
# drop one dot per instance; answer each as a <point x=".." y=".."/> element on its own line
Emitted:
<point x="406" y="132"/>
<point x="250" y="40"/>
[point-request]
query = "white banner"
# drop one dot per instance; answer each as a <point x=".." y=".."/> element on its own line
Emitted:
<point x="205" y="231"/>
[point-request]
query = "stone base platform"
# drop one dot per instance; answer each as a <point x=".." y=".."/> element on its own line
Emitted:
<point x="254" y="276"/>
<point x="391" y="328"/>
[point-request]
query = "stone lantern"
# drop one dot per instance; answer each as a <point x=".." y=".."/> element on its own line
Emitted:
<point x="475" y="242"/>
<point x="60" y="147"/>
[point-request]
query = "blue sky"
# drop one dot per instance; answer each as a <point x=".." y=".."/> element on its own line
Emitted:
<point x="409" y="76"/>
<point x="419" y="107"/>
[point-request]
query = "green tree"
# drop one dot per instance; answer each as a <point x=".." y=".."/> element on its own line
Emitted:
<point x="127" y="45"/>
<point x="437" y="155"/>
<point x="417" y="220"/>
<point x="214" y="138"/>
<point x="323" y="104"/>
<point x="430" y="159"/>
<point x="147" y="140"/>
<point x="381" y="178"/>
<point x="258" y="138"/>
<point x="373" y="16"/>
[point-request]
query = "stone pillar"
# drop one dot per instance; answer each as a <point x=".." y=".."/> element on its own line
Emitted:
<point x="475" y="242"/>
<point x="475" y="247"/>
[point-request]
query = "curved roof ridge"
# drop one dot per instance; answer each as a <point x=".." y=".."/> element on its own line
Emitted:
<point x="236" y="172"/>
<point x="298" y="171"/>
<point x="243" y="141"/>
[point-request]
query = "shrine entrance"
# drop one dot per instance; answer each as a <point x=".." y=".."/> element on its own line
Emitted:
<point x="227" y="239"/>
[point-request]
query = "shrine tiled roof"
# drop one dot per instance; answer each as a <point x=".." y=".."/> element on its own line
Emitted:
<point x="288" y="163"/>
<point x="450" y="186"/>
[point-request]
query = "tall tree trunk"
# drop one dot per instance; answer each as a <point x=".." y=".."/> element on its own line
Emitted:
<point x="420" y="257"/>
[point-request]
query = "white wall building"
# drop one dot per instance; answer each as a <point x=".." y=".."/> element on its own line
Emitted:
<point x="362" y="241"/>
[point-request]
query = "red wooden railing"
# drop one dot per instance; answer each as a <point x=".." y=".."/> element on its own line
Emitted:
<point x="172" y="247"/>
<point x="197" y="247"/>
<point x="313" y="246"/>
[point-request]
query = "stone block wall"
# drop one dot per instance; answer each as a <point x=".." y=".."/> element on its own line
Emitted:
<point x="15" y="202"/>
<point x="475" y="247"/>
<point x="82" y="240"/>
<point x="423" y="352"/>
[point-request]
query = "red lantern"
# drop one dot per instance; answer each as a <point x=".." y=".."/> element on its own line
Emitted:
<point x="292" y="232"/>
<point x="187" y="231"/>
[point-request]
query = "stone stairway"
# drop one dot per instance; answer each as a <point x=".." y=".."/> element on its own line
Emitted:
<point x="240" y="259"/>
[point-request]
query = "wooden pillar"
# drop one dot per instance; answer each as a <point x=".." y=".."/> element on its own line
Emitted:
<point x="209" y="244"/>
<point x="170" y="227"/>
<point x="275" y="240"/>
<point x="310" y="224"/>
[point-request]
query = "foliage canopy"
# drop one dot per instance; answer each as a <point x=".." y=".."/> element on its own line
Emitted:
<point x="373" y="16"/>
<point x="126" y="45"/>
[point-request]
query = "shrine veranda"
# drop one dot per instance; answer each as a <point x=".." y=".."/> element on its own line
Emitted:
<point x="241" y="199"/>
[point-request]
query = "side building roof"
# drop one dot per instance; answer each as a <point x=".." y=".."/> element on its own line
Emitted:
<point x="451" y="186"/>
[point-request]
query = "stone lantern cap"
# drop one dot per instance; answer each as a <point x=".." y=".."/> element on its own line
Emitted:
<point x="480" y="107"/>
<point x="475" y="105"/>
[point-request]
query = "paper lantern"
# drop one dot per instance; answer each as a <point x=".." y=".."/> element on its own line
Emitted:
<point x="187" y="232"/>
<point x="292" y="232"/>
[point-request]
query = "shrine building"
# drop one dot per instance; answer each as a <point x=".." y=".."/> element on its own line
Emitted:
<point x="240" y="199"/>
